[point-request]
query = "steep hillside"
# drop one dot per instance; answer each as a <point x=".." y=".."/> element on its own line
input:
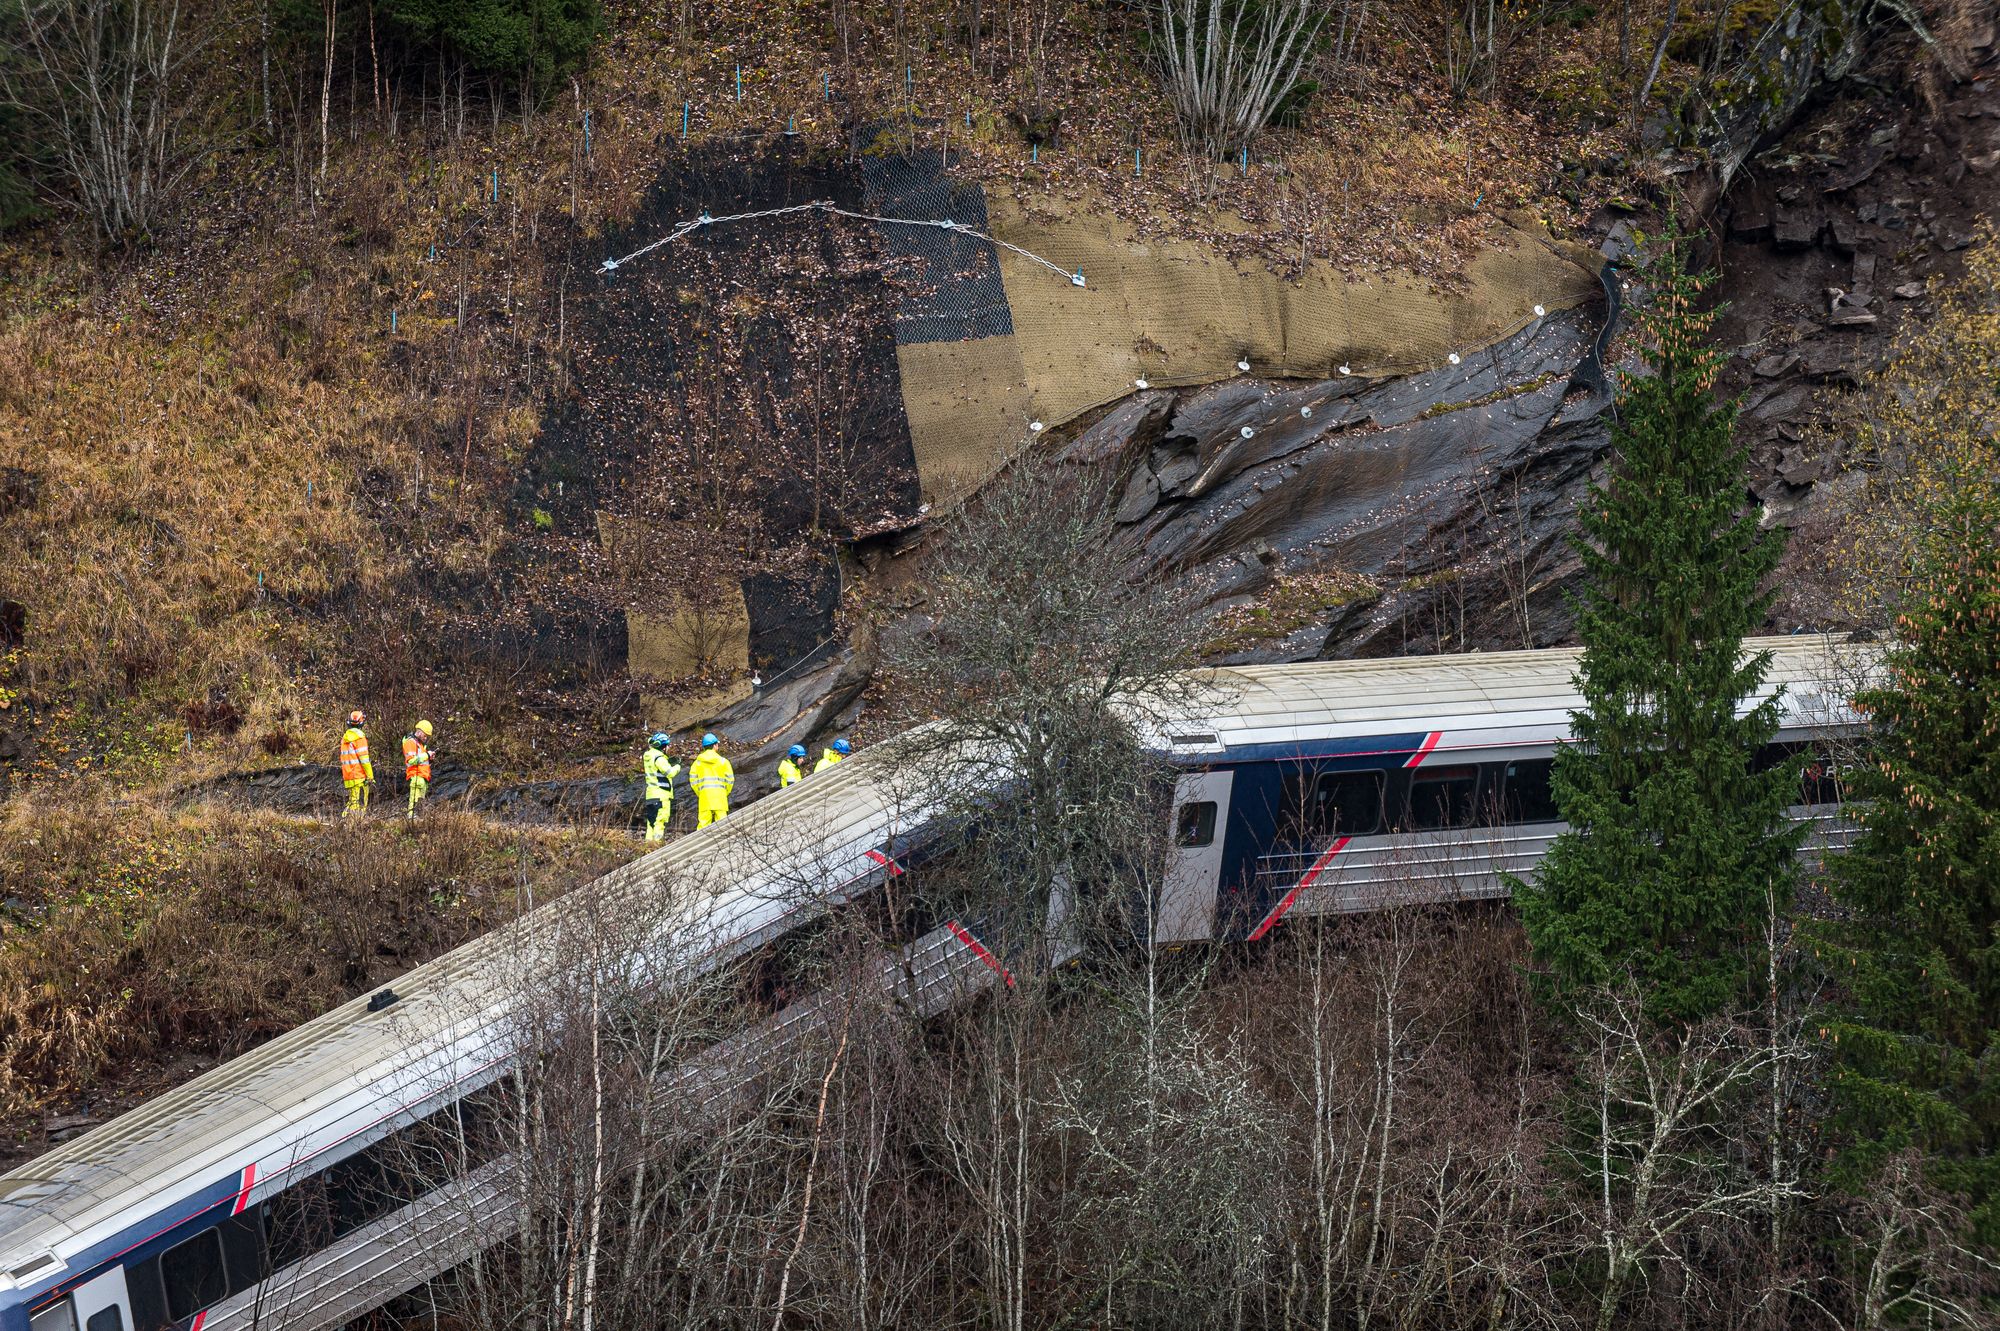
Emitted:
<point x="365" y="422"/>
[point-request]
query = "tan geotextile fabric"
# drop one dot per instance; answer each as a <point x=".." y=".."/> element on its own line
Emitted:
<point x="684" y="641"/>
<point x="968" y="408"/>
<point x="1179" y="313"/>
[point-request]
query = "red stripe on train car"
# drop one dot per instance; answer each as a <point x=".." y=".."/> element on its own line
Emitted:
<point x="979" y="950"/>
<point x="1430" y="742"/>
<point x="243" y="1193"/>
<point x="1311" y="876"/>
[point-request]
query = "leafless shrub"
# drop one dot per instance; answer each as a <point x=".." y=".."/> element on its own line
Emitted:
<point x="1228" y="64"/>
<point x="112" y="81"/>
<point x="1915" y="1266"/>
<point x="1039" y="663"/>
<point x="1672" y="1156"/>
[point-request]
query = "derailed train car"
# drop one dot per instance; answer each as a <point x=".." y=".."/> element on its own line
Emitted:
<point x="265" y="1191"/>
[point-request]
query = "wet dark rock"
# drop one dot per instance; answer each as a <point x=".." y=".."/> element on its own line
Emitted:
<point x="1795" y="228"/>
<point x="1142" y="495"/>
<point x="1135" y="423"/>
<point x="1174" y="467"/>
<point x="1402" y="480"/>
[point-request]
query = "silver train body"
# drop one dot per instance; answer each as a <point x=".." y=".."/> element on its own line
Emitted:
<point x="1305" y="789"/>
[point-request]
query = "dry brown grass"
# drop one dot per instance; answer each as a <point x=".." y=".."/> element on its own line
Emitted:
<point x="133" y="934"/>
<point x="190" y="499"/>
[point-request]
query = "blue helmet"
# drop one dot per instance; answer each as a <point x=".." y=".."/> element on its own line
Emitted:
<point x="842" y="747"/>
<point x="796" y="751"/>
<point x="709" y="740"/>
<point x="659" y="739"/>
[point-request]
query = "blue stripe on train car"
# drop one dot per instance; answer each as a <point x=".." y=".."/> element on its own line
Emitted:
<point x="1256" y="810"/>
<point x="154" y="1233"/>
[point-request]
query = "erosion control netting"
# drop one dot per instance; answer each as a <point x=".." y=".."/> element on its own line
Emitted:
<point x="1175" y="313"/>
<point x="734" y="404"/>
<point x="958" y="292"/>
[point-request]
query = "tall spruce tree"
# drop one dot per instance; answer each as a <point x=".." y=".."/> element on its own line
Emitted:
<point x="1917" y="948"/>
<point x="1675" y="837"/>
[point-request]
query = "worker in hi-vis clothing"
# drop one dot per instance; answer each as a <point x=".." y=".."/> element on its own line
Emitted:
<point x="789" y="771"/>
<point x="417" y="764"/>
<point x="829" y="756"/>
<point x="712" y="778"/>
<point x="356" y="772"/>
<point x="659" y="770"/>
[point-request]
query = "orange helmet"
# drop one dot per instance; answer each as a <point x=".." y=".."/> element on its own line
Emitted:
<point x="356" y="717"/>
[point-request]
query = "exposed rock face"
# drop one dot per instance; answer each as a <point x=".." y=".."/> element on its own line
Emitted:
<point x="1840" y="236"/>
<point x="1448" y="489"/>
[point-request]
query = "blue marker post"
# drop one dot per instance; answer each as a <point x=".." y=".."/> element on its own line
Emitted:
<point x="825" y="86"/>
<point x="909" y="83"/>
<point x="392" y="323"/>
<point x="1246" y="161"/>
<point x="586" y="133"/>
<point x="684" y="119"/>
<point x="1135" y="160"/>
<point x="739" y="83"/>
<point x="1035" y="152"/>
<point x="496" y="185"/>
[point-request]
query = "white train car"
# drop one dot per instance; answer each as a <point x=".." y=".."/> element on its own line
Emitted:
<point x="1306" y="789"/>
<point x="176" y="1213"/>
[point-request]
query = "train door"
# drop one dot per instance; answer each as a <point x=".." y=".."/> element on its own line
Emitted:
<point x="1194" y="860"/>
<point x="101" y="1304"/>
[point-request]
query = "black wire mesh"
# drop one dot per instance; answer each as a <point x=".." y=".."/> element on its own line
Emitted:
<point x="959" y="294"/>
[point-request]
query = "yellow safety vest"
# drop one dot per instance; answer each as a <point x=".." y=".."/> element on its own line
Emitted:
<point x="660" y="771"/>
<point x="712" y="777"/>
<point x="789" y="774"/>
<point x="827" y="758"/>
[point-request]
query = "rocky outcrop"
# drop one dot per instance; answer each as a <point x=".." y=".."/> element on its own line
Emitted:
<point x="1840" y="236"/>
<point x="1447" y="490"/>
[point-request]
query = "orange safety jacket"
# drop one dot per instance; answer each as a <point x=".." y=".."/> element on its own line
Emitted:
<point x="354" y="764"/>
<point x="416" y="758"/>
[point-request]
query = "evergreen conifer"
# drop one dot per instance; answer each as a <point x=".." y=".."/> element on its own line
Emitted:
<point x="1675" y="835"/>
<point x="1916" y="947"/>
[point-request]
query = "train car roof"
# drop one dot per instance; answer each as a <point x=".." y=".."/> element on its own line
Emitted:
<point x="1476" y="699"/>
<point x="708" y="887"/>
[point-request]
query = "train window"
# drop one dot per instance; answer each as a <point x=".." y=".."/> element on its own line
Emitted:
<point x="1347" y="804"/>
<point x="242" y="1251"/>
<point x="142" y="1288"/>
<point x="105" y="1319"/>
<point x="320" y="1210"/>
<point x="193" y="1275"/>
<point x="1821" y="782"/>
<point x="1528" y="796"/>
<point x="1442" y="797"/>
<point x="58" y="1316"/>
<point x="1197" y="824"/>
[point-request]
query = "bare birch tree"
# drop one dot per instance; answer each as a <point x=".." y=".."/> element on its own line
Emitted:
<point x="113" y="83"/>
<point x="1228" y="64"/>
<point x="1671" y="1155"/>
